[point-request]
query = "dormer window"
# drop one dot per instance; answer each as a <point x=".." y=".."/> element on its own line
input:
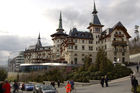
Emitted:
<point x="76" y="34"/>
<point x="116" y="32"/>
<point x="83" y="35"/>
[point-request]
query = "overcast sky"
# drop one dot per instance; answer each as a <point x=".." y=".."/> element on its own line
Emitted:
<point x="22" y="20"/>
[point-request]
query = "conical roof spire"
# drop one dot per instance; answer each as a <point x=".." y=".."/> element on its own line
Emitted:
<point x="94" y="9"/>
<point x="39" y="44"/>
<point x="60" y="27"/>
<point x="39" y="36"/>
<point x="95" y="20"/>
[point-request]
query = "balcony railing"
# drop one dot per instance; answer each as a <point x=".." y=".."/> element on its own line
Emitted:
<point x="119" y="43"/>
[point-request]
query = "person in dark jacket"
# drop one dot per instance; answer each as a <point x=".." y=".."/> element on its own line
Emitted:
<point x="58" y="83"/>
<point x="16" y="87"/>
<point x="1" y="89"/>
<point x="23" y="87"/>
<point x="72" y="84"/>
<point x="106" y="80"/>
<point x="135" y="84"/>
<point x="53" y="83"/>
<point x="102" y="81"/>
<point x="132" y="77"/>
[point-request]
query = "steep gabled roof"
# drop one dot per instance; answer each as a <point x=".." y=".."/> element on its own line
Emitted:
<point x="119" y="25"/>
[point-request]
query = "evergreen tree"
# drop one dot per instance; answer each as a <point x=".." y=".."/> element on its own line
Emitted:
<point x="102" y="63"/>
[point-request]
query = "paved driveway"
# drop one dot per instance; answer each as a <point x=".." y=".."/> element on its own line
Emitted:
<point x="122" y="85"/>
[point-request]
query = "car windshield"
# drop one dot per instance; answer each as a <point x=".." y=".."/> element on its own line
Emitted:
<point x="48" y="87"/>
<point x="37" y="85"/>
<point x="29" y="85"/>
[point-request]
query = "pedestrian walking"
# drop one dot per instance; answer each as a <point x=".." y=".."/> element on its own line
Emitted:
<point x="53" y="84"/>
<point x="137" y="67"/>
<point x="15" y="86"/>
<point x="68" y="87"/>
<point x="106" y="80"/>
<point x="72" y="84"/>
<point x="23" y="87"/>
<point x="1" y="89"/>
<point x="132" y="77"/>
<point x="6" y="87"/>
<point x="135" y="84"/>
<point x="58" y="83"/>
<point x="102" y="81"/>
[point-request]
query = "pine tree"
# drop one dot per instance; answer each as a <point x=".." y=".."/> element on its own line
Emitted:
<point x="102" y="63"/>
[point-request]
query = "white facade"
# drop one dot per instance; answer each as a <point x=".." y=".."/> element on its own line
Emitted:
<point x="72" y="48"/>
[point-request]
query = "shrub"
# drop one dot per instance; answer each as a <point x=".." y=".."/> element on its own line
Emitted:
<point x="3" y="74"/>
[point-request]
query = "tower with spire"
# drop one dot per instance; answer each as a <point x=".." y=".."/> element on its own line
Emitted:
<point x="58" y="38"/>
<point x="95" y="25"/>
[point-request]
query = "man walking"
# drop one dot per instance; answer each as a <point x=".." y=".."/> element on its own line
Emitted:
<point x="135" y="84"/>
<point x="102" y="81"/>
<point x="106" y="80"/>
<point x="15" y="86"/>
<point x="58" y="83"/>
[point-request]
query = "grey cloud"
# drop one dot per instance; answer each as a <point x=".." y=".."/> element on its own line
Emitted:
<point x="11" y="45"/>
<point x="126" y="11"/>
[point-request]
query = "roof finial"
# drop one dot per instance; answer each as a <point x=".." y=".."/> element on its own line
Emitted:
<point x="60" y="23"/>
<point x="94" y="9"/>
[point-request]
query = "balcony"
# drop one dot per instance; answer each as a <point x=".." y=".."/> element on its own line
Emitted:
<point x="119" y="43"/>
<point x="118" y="35"/>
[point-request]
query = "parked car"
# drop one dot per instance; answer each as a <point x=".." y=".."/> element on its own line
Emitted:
<point x="36" y="88"/>
<point x="47" y="89"/>
<point x="29" y="87"/>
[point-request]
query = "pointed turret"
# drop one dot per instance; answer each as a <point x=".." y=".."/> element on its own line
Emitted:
<point x="95" y="20"/>
<point x="60" y="27"/>
<point x="38" y="44"/>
